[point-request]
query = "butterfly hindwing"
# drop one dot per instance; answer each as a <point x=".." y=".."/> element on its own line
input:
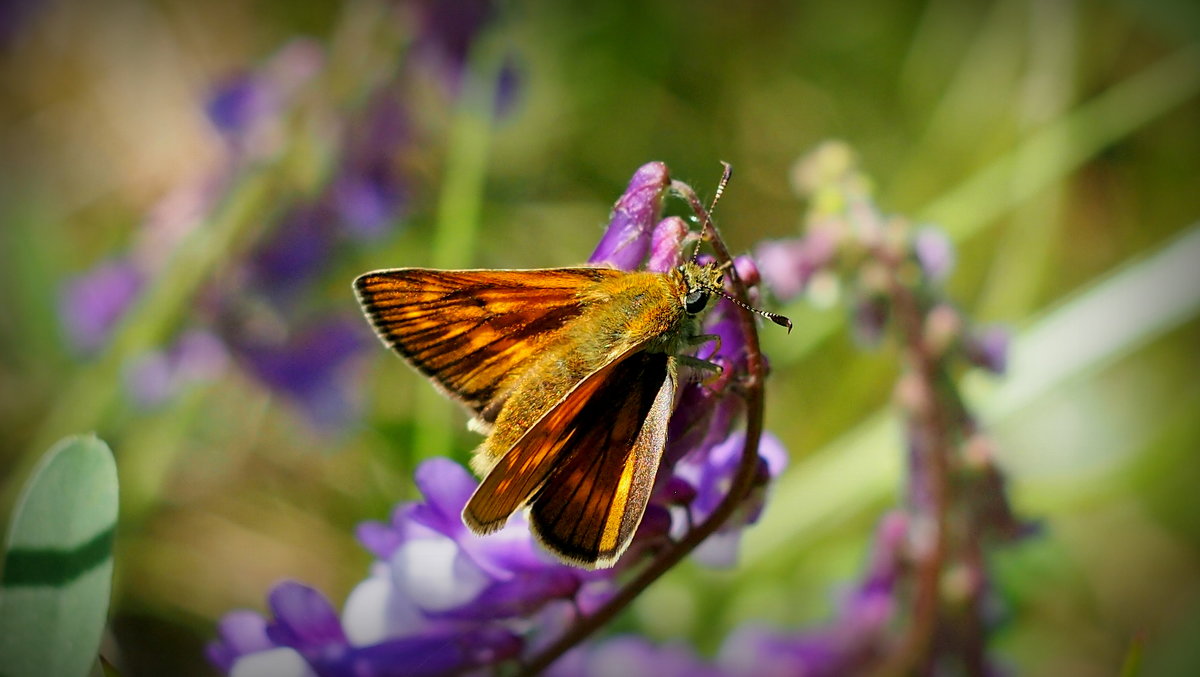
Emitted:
<point x="587" y="466"/>
<point x="472" y="331"/>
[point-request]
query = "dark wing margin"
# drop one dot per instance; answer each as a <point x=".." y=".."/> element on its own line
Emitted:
<point x="471" y="330"/>
<point x="587" y="466"/>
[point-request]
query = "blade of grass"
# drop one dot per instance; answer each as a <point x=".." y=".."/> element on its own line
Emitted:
<point x="1047" y="156"/>
<point x="1065" y="144"/>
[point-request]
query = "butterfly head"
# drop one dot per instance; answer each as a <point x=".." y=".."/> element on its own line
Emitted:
<point x="700" y="283"/>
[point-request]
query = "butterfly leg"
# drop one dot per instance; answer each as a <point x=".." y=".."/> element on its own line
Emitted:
<point x="714" y="370"/>
<point x="698" y="363"/>
<point x="701" y="339"/>
<point x="708" y="374"/>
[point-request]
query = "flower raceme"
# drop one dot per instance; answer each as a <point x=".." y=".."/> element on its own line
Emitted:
<point x="467" y="601"/>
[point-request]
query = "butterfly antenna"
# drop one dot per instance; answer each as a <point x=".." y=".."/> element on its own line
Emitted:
<point x="774" y="317"/>
<point x="726" y="174"/>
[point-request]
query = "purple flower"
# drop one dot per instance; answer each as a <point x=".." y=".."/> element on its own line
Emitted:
<point x="433" y="654"/>
<point x="710" y="472"/>
<point x="447" y="31"/>
<point x="934" y="252"/>
<point x="438" y="601"/>
<point x="632" y="656"/>
<point x="91" y="304"/>
<point x="706" y="412"/>
<point x="435" y="574"/>
<point x="666" y="244"/>
<point x="704" y="446"/>
<point x="783" y="266"/>
<point x="763" y="652"/>
<point x="306" y="638"/>
<point x="238" y="634"/>
<point x="305" y="631"/>
<point x="246" y="108"/>
<point x="788" y="265"/>
<point x="627" y="239"/>
<point x="988" y="348"/>
<point x="369" y="191"/>
<point x="310" y="365"/>
<point x="296" y="252"/>
<point x="236" y="104"/>
<point x="195" y="356"/>
<point x="369" y="200"/>
<point x="474" y="570"/>
<point x="747" y="271"/>
<point x="306" y="622"/>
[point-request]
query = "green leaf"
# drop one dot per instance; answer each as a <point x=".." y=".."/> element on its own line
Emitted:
<point x="58" y="562"/>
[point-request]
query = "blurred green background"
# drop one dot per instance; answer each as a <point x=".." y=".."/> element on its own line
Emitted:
<point x="1057" y="142"/>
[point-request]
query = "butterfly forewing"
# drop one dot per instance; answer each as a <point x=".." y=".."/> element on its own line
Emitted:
<point x="473" y="330"/>
<point x="587" y="466"/>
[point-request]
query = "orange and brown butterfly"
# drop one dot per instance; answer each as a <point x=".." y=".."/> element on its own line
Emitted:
<point x="571" y="372"/>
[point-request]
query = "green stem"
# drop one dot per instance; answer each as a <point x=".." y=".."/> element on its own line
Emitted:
<point x="84" y="402"/>
<point x="242" y="214"/>
<point x="459" y="210"/>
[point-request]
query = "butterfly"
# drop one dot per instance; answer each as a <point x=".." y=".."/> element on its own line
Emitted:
<point x="571" y="373"/>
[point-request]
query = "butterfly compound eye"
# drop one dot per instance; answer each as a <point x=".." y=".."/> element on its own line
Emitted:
<point x="695" y="301"/>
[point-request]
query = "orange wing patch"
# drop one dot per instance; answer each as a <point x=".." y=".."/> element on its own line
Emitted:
<point x="589" y="483"/>
<point x="472" y="331"/>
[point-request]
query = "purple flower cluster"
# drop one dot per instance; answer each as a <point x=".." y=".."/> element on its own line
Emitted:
<point x="851" y="247"/>
<point x="889" y="275"/>
<point x="440" y="600"/>
<point x="306" y="351"/>
<point x="268" y="311"/>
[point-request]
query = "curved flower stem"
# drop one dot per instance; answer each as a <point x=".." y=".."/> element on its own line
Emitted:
<point x="743" y="479"/>
<point x="930" y="428"/>
<point x="934" y="452"/>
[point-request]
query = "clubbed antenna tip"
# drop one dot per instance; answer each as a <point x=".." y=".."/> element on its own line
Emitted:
<point x="774" y="317"/>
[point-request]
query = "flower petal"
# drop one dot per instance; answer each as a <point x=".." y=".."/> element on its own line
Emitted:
<point x="666" y="244"/>
<point x="239" y="633"/>
<point x="375" y="611"/>
<point x="518" y="596"/>
<point x="449" y="652"/>
<point x="627" y="239"/>
<point x="92" y="303"/>
<point x="446" y="486"/>
<point x="303" y="617"/>
<point x="435" y="575"/>
<point x="281" y="662"/>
